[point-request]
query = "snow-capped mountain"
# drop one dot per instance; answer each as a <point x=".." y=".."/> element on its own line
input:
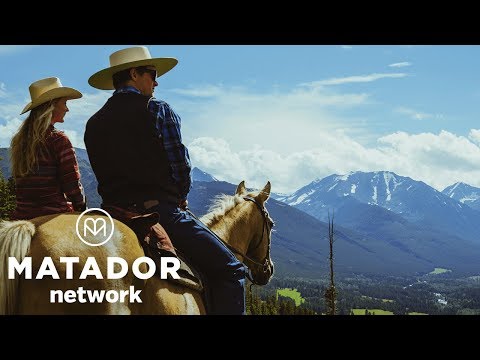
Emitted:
<point x="382" y="188"/>
<point x="199" y="175"/>
<point x="466" y="194"/>
<point x="414" y="200"/>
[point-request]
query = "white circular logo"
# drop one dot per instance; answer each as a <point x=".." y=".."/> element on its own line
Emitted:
<point x="94" y="231"/>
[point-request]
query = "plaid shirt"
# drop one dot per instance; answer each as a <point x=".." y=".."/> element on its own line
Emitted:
<point x="55" y="185"/>
<point x="168" y="125"/>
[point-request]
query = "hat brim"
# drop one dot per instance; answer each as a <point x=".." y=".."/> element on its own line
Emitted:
<point x="103" y="79"/>
<point x="56" y="93"/>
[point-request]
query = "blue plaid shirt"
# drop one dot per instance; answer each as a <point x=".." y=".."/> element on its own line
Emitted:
<point x="168" y="125"/>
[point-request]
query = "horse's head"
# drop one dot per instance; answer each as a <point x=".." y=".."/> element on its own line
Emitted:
<point x="258" y="253"/>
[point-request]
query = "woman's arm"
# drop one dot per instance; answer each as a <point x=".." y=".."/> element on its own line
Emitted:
<point x="68" y="172"/>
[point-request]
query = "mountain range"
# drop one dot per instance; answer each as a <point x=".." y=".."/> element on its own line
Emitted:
<point x="414" y="201"/>
<point x="384" y="223"/>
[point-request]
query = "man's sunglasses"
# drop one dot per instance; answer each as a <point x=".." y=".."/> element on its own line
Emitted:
<point x="152" y="72"/>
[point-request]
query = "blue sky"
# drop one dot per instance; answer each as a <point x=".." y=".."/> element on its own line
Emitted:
<point x="289" y="114"/>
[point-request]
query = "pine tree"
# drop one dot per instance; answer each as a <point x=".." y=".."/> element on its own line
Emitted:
<point x="248" y="300"/>
<point x="271" y="305"/>
<point x="289" y="307"/>
<point x="282" y="308"/>
<point x="255" y="302"/>
<point x="7" y="197"/>
<point x="252" y="303"/>
<point x="263" y="308"/>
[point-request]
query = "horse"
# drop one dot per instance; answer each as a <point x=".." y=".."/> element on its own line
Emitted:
<point x="241" y="220"/>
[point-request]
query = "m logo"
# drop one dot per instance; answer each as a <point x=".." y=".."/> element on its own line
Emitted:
<point x="94" y="230"/>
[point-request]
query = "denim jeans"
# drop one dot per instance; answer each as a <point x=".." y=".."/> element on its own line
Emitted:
<point x="224" y="275"/>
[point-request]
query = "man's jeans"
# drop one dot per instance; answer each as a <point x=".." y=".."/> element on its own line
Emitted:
<point x="224" y="274"/>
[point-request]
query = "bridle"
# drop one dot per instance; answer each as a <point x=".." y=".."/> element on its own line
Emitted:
<point x="265" y="264"/>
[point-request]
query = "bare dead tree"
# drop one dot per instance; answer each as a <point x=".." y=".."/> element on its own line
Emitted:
<point x="331" y="292"/>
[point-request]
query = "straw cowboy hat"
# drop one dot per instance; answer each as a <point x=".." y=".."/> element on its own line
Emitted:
<point x="128" y="58"/>
<point x="48" y="89"/>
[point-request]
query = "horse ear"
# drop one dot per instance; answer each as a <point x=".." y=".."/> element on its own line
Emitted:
<point x="264" y="194"/>
<point x="241" y="188"/>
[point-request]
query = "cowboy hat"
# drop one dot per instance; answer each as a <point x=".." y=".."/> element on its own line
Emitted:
<point x="129" y="58"/>
<point x="48" y="89"/>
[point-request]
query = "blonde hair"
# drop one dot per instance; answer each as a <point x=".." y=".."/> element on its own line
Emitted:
<point x="29" y="141"/>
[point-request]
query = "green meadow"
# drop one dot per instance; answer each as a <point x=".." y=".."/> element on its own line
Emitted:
<point x="292" y="294"/>
<point x="372" y="311"/>
<point x="439" y="271"/>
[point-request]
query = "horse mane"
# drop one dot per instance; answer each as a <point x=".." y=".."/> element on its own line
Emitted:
<point x="221" y="205"/>
<point x="15" y="238"/>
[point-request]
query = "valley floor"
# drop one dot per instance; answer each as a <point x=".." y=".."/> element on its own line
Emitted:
<point x="432" y="294"/>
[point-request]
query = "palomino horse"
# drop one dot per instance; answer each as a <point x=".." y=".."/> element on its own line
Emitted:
<point x="241" y="220"/>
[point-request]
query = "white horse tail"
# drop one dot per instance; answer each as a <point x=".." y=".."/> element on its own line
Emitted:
<point x="15" y="238"/>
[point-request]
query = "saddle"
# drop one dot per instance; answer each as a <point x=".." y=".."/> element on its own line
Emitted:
<point x="156" y="243"/>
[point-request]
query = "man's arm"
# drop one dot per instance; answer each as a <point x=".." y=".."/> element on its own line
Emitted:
<point x="168" y="125"/>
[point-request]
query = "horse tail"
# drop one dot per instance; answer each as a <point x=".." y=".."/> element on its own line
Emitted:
<point x="15" y="239"/>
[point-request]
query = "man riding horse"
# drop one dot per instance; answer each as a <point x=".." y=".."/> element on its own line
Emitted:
<point x="135" y="148"/>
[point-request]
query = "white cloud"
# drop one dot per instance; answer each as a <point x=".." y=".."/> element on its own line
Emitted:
<point x="417" y="115"/>
<point x="10" y="119"/>
<point x="75" y="138"/>
<point x="7" y="130"/>
<point x="88" y="105"/>
<point x="347" y="47"/>
<point x="436" y="159"/>
<point x="400" y="64"/>
<point x="474" y="135"/>
<point x="280" y="121"/>
<point x="216" y="155"/>
<point x="353" y="79"/>
<point x="336" y="153"/>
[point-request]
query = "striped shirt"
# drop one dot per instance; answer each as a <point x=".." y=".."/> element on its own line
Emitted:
<point x="55" y="185"/>
<point x="168" y="125"/>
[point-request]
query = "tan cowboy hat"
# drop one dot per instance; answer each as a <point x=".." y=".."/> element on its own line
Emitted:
<point x="128" y="58"/>
<point x="48" y="89"/>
